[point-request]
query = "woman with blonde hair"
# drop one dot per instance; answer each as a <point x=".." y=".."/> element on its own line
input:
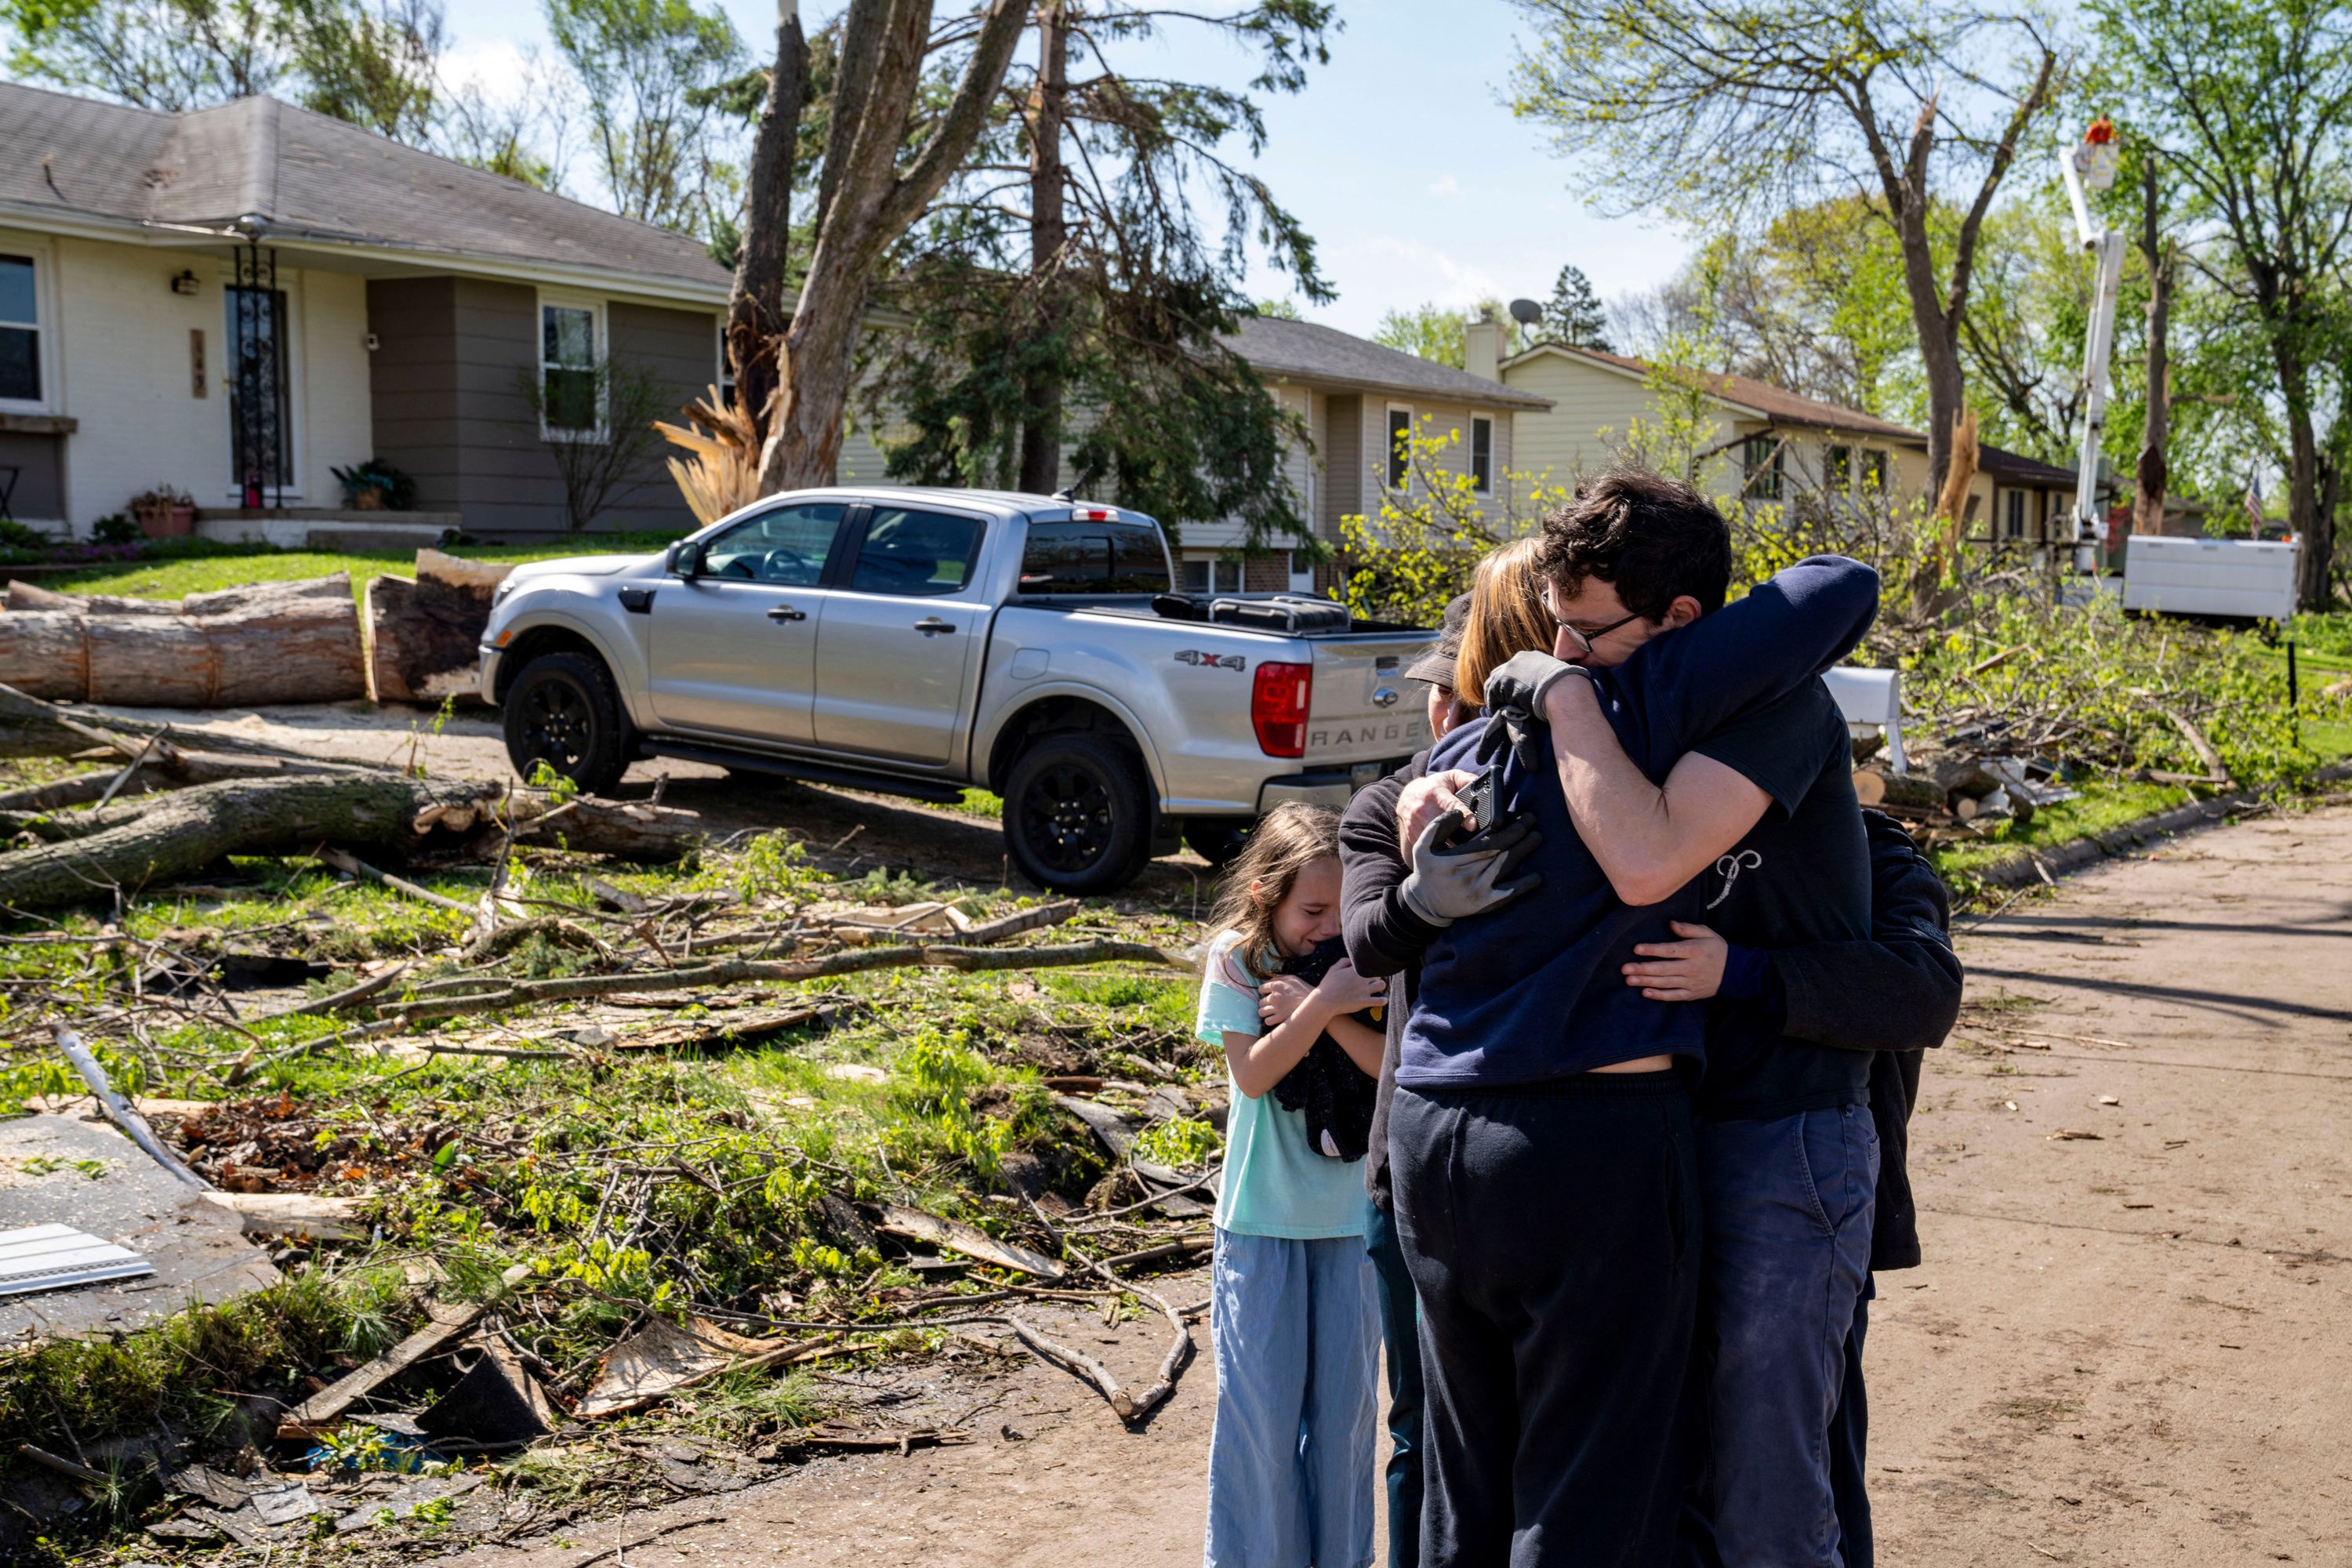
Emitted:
<point x="1506" y="616"/>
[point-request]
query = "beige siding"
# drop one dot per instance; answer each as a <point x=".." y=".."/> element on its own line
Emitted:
<point x="118" y="360"/>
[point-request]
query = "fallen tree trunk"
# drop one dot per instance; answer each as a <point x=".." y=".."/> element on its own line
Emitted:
<point x="272" y="642"/>
<point x="426" y="636"/>
<point x="132" y="845"/>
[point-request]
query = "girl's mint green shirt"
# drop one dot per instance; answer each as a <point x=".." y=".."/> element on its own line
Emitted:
<point x="1274" y="1182"/>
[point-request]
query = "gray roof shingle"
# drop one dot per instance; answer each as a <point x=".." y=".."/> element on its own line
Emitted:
<point x="310" y="177"/>
<point x="1276" y="346"/>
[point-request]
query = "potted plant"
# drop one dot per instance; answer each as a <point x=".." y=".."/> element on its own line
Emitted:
<point x="165" y="512"/>
<point x="377" y="486"/>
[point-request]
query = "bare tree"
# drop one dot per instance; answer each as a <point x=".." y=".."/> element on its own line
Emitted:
<point x="870" y="192"/>
<point x="1734" y="107"/>
<point x="597" y="423"/>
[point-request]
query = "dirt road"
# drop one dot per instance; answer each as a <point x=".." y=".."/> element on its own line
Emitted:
<point x="2131" y="1344"/>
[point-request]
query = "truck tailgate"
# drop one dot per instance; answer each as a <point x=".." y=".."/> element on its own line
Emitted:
<point x="1362" y="709"/>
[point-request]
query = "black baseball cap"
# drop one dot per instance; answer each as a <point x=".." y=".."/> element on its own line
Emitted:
<point x="1436" y="665"/>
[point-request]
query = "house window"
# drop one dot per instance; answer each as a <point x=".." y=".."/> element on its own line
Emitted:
<point x="20" y="331"/>
<point x="1839" y="471"/>
<point x="1209" y="575"/>
<point x="726" y="373"/>
<point x="1873" y="470"/>
<point x="2017" y="514"/>
<point x="570" y="339"/>
<point x="1400" y="447"/>
<point x="1482" y="456"/>
<point x="1760" y="455"/>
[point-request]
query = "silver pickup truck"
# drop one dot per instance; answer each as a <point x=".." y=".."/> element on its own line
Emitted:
<point x="917" y="641"/>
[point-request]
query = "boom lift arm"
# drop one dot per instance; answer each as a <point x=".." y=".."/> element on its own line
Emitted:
<point x="2091" y="167"/>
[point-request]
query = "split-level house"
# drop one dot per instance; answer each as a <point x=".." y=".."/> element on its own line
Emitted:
<point x="1763" y="443"/>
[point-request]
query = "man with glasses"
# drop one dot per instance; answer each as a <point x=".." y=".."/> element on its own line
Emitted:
<point x="1541" y="1147"/>
<point x="1758" y="827"/>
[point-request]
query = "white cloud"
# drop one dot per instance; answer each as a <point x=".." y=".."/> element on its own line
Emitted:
<point x="1448" y="186"/>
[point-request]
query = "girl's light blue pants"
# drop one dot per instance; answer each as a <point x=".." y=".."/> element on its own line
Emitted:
<point x="1294" y="1329"/>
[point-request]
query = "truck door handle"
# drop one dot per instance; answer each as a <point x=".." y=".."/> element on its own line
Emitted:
<point x="932" y="626"/>
<point x="786" y="613"/>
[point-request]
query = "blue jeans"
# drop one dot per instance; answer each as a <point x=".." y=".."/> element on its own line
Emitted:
<point x="1290" y="1456"/>
<point x="1787" y="1214"/>
<point x="1850" y="1445"/>
<point x="1401" y="1336"/>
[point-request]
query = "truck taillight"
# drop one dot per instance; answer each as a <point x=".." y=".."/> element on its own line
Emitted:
<point x="1279" y="708"/>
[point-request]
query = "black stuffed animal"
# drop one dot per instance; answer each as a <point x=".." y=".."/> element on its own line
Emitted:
<point x="1335" y="1094"/>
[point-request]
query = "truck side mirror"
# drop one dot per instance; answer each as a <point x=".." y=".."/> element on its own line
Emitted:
<point x="684" y="559"/>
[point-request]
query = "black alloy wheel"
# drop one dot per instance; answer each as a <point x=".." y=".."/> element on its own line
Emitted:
<point x="561" y="711"/>
<point x="1077" y="814"/>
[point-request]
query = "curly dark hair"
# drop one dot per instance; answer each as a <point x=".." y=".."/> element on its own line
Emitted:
<point x="1651" y="538"/>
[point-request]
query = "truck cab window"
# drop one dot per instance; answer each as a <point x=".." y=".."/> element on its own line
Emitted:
<point x="1093" y="558"/>
<point x="787" y="547"/>
<point x="915" y="555"/>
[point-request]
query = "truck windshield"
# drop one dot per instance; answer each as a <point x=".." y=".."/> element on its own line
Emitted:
<point x="1093" y="558"/>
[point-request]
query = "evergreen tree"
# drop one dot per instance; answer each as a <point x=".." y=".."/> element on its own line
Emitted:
<point x="1070" y="321"/>
<point x="1574" y="314"/>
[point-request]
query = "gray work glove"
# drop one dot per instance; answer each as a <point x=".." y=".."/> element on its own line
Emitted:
<point x="1515" y="705"/>
<point x="1448" y="883"/>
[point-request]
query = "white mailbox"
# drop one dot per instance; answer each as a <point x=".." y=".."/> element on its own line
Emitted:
<point x="1872" y="697"/>
<point x="2236" y="578"/>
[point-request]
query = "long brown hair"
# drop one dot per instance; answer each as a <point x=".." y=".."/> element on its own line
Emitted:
<point x="1506" y="616"/>
<point x="1284" y="843"/>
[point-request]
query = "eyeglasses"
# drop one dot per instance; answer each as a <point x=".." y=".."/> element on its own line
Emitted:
<point x="1578" y="635"/>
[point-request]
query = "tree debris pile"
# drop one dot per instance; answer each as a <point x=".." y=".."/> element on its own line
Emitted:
<point x="577" y="1169"/>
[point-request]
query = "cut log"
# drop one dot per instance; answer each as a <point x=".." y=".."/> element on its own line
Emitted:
<point x="425" y="635"/>
<point x="24" y="596"/>
<point x="1872" y="787"/>
<point x="271" y="642"/>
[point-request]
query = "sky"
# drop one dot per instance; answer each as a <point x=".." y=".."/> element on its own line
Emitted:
<point x="1399" y="156"/>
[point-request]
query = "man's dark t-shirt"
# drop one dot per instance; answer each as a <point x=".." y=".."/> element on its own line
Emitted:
<point x="1801" y="876"/>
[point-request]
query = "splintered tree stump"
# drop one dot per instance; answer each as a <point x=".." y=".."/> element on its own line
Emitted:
<point x="426" y="636"/>
<point x="269" y="642"/>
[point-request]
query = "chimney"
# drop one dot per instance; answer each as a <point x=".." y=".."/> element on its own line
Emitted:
<point x="1482" y="346"/>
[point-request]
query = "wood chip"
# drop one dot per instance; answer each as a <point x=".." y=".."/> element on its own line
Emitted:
<point x="2075" y="1136"/>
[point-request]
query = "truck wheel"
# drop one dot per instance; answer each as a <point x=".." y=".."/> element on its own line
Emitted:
<point x="562" y="710"/>
<point x="1217" y="839"/>
<point x="1077" y="816"/>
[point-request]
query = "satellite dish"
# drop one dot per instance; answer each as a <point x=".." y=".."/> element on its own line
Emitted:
<point x="1527" y="312"/>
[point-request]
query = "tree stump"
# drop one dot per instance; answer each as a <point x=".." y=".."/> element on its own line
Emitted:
<point x="425" y="635"/>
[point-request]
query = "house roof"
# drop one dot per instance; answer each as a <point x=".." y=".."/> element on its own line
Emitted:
<point x="308" y="178"/>
<point x="1744" y="394"/>
<point x="2012" y="468"/>
<point x="1275" y="346"/>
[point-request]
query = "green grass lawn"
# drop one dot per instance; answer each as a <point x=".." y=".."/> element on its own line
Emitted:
<point x="173" y="579"/>
<point x="2100" y="807"/>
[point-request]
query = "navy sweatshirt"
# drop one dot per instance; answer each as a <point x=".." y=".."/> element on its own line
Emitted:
<point x="1534" y="991"/>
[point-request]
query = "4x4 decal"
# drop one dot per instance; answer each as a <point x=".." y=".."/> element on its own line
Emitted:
<point x="1195" y="658"/>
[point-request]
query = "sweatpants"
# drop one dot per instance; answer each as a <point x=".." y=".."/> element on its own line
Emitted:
<point x="1297" y="1344"/>
<point x="1400" y="1338"/>
<point x="1552" y="1233"/>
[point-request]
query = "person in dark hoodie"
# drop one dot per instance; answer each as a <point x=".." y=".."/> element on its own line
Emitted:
<point x="1895" y="996"/>
<point x="1482" y="630"/>
<point x="1541" y="1151"/>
